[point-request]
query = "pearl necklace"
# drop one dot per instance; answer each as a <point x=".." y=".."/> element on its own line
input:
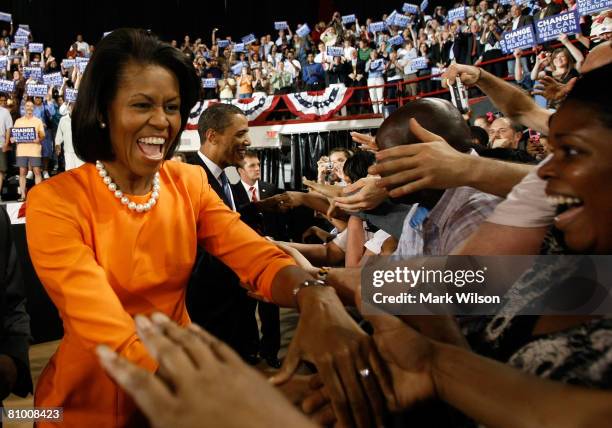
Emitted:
<point x="132" y="206"/>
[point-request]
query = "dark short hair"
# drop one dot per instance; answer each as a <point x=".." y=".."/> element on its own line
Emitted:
<point x="346" y="152"/>
<point x="4" y="94"/>
<point x="101" y="80"/>
<point x="590" y="91"/>
<point x="356" y="166"/>
<point x="250" y="153"/>
<point x="217" y="117"/>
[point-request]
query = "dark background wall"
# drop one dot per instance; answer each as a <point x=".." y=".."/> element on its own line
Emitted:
<point x="56" y="22"/>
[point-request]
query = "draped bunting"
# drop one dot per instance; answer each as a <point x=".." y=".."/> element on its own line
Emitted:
<point x="318" y="106"/>
<point x="256" y="108"/>
<point x="305" y="105"/>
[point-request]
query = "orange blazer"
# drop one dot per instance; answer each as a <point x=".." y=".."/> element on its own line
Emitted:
<point x="102" y="264"/>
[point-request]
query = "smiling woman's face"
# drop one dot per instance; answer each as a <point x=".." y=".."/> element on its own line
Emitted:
<point x="578" y="177"/>
<point x="144" y="118"/>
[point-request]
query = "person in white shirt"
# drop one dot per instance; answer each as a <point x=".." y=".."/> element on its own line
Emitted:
<point x="64" y="135"/>
<point x="82" y="46"/>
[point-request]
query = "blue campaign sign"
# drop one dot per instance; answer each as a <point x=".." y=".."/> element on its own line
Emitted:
<point x="303" y="31"/>
<point x="588" y="7"/>
<point x="281" y="25"/>
<point x="248" y="39"/>
<point x="237" y="68"/>
<point x="68" y="63"/>
<point x="391" y="19"/>
<point x="22" y="32"/>
<point x="35" y="47"/>
<point x="455" y="14"/>
<point x="23" y="135"/>
<point x="6" y="17"/>
<point x="552" y="27"/>
<point x="521" y="38"/>
<point x="3" y="62"/>
<point x="424" y="5"/>
<point x="349" y="19"/>
<point x="70" y="95"/>
<point x="209" y="83"/>
<point x="238" y="47"/>
<point x="377" y="27"/>
<point x="7" y="86"/>
<point x="25" y="27"/>
<point x="410" y="8"/>
<point x="335" y="51"/>
<point x="32" y="72"/>
<point x="82" y="66"/>
<point x="419" y="63"/>
<point x="377" y="64"/>
<point x="21" y="40"/>
<point x="53" y="79"/>
<point x="401" y="20"/>
<point x="396" y="41"/>
<point x="437" y="70"/>
<point x="37" y="90"/>
<point x="223" y="43"/>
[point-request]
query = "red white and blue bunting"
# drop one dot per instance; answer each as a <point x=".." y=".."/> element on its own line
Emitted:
<point x="256" y="108"/>
<point x="318" y="106"/>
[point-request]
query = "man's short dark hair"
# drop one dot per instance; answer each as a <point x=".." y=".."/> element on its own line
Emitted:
<point x="101" y="79"/>
<point x="356" y="166"/>
<point x="217" y="117"/>
<point x="346" y="152"/>
<point x="4" y="95"/>
<point x="250" y="153"/>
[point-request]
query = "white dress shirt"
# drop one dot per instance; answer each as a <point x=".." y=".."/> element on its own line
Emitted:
<point x="216" y="170"/>
<point x="248" y="190"/>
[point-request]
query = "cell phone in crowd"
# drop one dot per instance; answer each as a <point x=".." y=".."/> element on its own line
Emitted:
<point x="534" y="136"/>
<point x="459" y="95"/>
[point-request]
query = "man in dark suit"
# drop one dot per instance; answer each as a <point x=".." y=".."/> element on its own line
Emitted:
<point x="248" y="192"/>
<point x="215" y="299"/>
<point x="467" y="48"/>
<point x="14" y="320"/>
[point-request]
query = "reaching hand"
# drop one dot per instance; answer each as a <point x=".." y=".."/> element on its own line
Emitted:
<point x="432" y="164"/>
<point x="203" y="380"/>
<point x="553" y="90"/>
<point x="365" y="141"/>
<point x="408" y="357"/>
<point x="327" y="190"/>
<point x="364" y="194"/>
<point x="299" y="258"/>
<point x="468" y="74"/>
<point x="329" y="338"/>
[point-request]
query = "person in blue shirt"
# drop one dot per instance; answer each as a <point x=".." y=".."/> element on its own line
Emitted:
<point x="313" y="74"/>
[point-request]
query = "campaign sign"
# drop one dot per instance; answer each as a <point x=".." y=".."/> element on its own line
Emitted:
<point x="237" y="68"/>
<point x="552" y="27"/>
<point x="521" y="38"/>
<point x="456" y="14"/>
<point x="401" y="20"/>
<point x="35" y="64"/>
<point x="588" y="7"/>
<point x="223" y="43"/>
<point x="410" y="8"/>
<point x="3" y="62"/>
<point x="377" y="26"/>
<point x="37" y="90"/>
<point x="70" y="95"/>
<point x="303" y="31"/>
<point x="424" y="5"/>
<point x="391" y="18"/>
<point x="23" y="135"/>
<point x="248" y="39"/>
<point x="6" y="17"/>
<point x="335" y="51"/>
<point x="25" y="27"/>
<point x="349" y="19"/>
<point x="396" y="41"/>
<point x="82" y="66"/>
<point x="32" y="72"/>
<point x="22" y="32"/>
<point x="7" y="86"/>
<point x="281" y="25"/>
<point x="21" y="40"/>
<point x="68" y="63"/>
<point x="419" y="63"/>
<point x="377" y="64"/>
<point x="53" y="79"/>
<point x="35" y="47"/>
<point x="238" y="47"/>
<point x="209" y="83"/>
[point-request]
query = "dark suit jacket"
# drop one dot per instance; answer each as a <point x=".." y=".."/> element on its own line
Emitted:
<point x="463" y="48"/>
<point x="14" y="320"/>
<point x="264" y="223"/>
<point x="214" y="292"/>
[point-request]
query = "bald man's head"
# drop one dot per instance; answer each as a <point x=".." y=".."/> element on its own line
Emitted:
<point x="434" y="114"/>
<point x="599" y="56"/>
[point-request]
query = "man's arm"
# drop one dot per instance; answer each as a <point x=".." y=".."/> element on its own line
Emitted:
<point x="510" y="99"/>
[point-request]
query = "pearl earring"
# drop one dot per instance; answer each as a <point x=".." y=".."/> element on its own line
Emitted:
<point x="102" y="125"/>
